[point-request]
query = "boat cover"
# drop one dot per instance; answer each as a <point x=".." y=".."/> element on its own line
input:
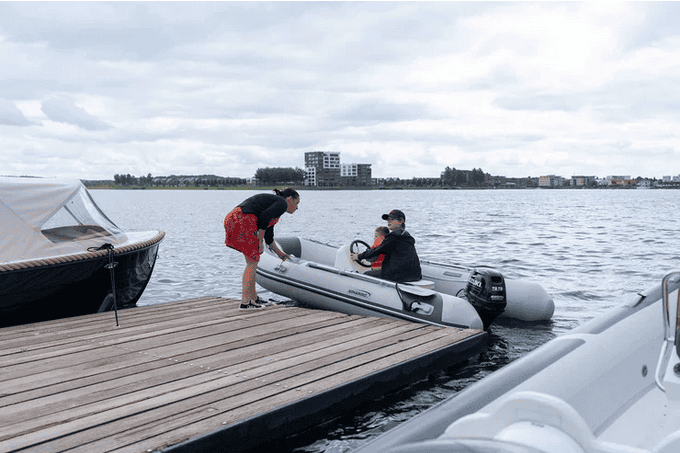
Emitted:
<point x="43" y="218"/>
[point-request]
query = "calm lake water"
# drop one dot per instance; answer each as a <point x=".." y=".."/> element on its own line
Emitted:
<point x="590" y="249"/>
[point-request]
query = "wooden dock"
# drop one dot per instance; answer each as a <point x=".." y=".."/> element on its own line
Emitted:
<point x="202" y="375"/>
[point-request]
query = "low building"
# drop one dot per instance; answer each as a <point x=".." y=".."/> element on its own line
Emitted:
<point x="582" y="181"/>
<point x="615" y="182"/>
<point x="618" y="177"/>
<point x="357" y="175"/>
<point x="669" y="182"/>
<point x="550" y="181"/>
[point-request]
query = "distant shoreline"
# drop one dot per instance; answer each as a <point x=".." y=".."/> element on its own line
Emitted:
<point x="330" y="189"/>
<point x="266" y="188"/>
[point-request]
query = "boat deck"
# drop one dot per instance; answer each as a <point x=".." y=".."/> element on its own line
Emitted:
<point x="197" y="374"/>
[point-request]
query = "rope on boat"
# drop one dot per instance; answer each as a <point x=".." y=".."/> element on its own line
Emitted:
<point x="80" y="256"/>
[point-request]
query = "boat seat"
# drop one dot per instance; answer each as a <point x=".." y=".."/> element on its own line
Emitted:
<point x="537" y="420"/>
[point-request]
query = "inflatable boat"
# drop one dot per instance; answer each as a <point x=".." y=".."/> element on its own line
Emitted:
<point x="323" y="276"/>
<point x="611" y="385"/>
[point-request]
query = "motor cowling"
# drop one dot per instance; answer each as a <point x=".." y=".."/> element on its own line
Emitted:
<point x="486" y="292"/>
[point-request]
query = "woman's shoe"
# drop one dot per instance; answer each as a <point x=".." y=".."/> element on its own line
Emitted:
<point x="250" y="304"/>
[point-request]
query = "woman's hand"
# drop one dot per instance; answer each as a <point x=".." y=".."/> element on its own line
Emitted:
<point x="261" y="246"/>
<point x="280" y="253"/>
<point x="354" y="256"/>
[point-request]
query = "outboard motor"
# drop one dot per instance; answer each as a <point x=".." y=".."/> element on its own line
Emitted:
<point x="486" y="292"/>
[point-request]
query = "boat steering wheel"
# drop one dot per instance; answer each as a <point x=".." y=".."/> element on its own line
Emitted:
<point x="354" y="248"/>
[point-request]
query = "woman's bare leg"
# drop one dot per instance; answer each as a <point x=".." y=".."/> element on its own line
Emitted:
<point x="248" y="291"/>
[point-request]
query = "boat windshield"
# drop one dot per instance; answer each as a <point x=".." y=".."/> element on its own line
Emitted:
<point x="78" y="218"/>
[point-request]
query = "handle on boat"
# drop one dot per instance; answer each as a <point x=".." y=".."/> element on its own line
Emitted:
<point x="670" y="283"/>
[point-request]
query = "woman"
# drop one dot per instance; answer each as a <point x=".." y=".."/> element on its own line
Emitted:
<point x="250" y="225"/>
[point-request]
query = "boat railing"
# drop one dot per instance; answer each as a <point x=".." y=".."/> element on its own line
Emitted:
<point x="669" y="284"/>
<point x="351" y="274"/>
<point x="458" y="269"/>
<point x="446" y="265"/>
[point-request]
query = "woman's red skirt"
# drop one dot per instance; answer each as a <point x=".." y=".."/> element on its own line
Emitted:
<point x="241" y="233"/>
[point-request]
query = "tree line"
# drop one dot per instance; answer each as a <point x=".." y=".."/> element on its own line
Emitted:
<point x="177" y="181"/>
<point x="271" y="176"/>
<point x="280" y="175"/>
<point x="450" y="177"/>
<point x="263" y="176"/>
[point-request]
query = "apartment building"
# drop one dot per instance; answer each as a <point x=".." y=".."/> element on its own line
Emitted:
<point x="323" y="169"/>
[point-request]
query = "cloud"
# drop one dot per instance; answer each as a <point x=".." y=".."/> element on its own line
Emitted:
<point x="63" y="110"/>
<point x="10" y="115"/>
<point x="538" y="102"/>
<point x="228" y="87"/>
<point x="371" y="112"/>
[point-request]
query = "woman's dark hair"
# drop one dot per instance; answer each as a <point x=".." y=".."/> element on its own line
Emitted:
<point x="288" y="192"/>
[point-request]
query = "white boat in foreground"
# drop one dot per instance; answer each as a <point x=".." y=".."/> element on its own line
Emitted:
<point x="611" y="385"/>
<point x="323" y="276"/>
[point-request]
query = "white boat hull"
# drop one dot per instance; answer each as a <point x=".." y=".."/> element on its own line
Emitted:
<point x="335" y="289"/>
<point x="590" y="391"/>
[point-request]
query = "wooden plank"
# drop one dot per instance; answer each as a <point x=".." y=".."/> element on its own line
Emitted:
<point x="181" y="370"/>
<point x="179" y="421"/>
<point x="151" y="327"/>
<point x="144" y="319"/>
<point x="83" y="350"/>
<point x="248" y="357"/>
<point x="129" y="362"/>
<point x="190" y="424"/>
<point x="107" y="320"/>
<point x="222" y="394"/>
<point x="173" y="388"/>
<point x="105" y="370"/>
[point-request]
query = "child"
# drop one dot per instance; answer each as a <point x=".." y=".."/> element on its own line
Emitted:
<point x="379" y="235"/>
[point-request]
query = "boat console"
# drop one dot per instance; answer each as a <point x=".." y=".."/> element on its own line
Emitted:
<point x="343" y="261"/>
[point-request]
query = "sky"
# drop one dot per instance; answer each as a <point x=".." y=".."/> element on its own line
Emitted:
<point x="93" y="89"/>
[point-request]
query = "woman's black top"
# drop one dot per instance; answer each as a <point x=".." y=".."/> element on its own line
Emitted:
<point x="267" y="207"/>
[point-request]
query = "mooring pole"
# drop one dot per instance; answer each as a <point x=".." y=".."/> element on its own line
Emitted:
<point x="112" y="264"/>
